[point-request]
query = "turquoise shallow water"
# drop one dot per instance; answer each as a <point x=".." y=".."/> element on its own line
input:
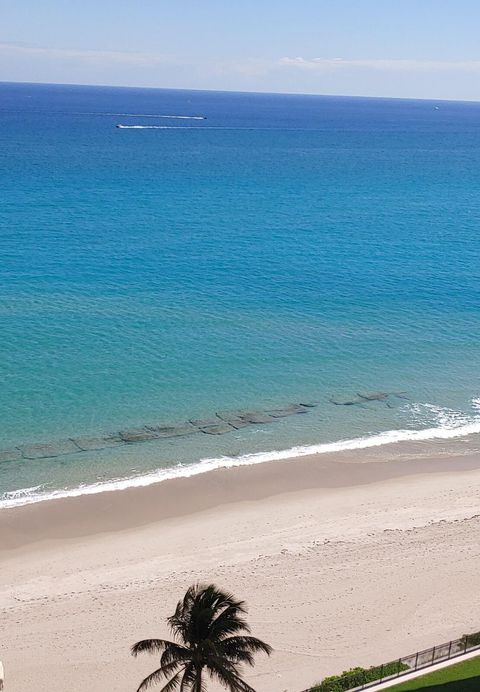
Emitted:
<point x="284" y="249"/>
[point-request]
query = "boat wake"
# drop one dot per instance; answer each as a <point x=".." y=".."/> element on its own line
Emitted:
<point x="122" y="126"/>
<point x="150" y="115"/>
<point x="147" y="127"/>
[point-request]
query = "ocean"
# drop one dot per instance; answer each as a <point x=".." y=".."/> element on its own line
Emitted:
<point x="258" y="252"/>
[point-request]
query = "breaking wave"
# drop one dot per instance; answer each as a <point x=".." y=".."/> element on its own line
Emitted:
<point x="14" y="495"/>
<point x="449" y="424"/>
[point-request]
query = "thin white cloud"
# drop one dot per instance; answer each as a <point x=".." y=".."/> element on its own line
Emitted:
<point x="105" y="57"/>
<point x="383" y="65"/>
<point x="370" y="77"/>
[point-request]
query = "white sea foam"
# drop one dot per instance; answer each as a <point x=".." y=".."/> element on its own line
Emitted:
<point x="146" y="127"/>
<point x="181" y="117"/>
<point x="121" y="126"/>
<point x="451" y="424"/>
<point x="21" y="493"/>
<point x="150" y="115"/>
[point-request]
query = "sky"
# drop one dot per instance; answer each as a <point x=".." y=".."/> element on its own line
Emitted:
<point x="398" y="48"/>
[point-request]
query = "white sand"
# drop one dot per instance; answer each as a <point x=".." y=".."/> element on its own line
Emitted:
<point x="336" y="573"/>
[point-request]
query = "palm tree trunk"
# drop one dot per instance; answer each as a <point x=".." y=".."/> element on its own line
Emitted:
<point x="197" y="687"/>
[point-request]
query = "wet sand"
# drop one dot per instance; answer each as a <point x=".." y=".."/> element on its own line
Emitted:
<point x="344" y="559"/>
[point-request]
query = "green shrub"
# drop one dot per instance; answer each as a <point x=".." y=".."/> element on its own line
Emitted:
<point x="358" y="676"/>
<point x="471" y="639"/>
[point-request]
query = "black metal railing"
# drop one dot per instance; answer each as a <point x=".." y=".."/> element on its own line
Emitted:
<point x="363" y="678"/>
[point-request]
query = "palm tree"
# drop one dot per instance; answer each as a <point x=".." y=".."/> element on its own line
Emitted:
<point x="206" y="626"/>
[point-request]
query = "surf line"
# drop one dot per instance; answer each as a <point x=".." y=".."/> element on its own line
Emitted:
<point x="33" y="495"/>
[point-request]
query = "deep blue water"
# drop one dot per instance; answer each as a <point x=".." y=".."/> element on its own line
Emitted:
<point x="286" y="248"/>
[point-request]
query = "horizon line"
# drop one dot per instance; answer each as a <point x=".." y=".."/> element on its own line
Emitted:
<point x="235" y="91"/>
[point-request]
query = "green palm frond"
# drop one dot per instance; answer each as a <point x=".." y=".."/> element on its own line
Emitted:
<point x="188" y="678"/>
<point x="175" y="652"/>
<point x="172" y="684"/>
<point x="229" y="679"/>
<point x="151" y="646"/>
<point x="233" y="645"/>
<point x="212" y="636"/>
<point x="158" y="675"/>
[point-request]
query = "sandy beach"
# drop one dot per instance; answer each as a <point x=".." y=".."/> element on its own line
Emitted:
<point x="346" y="559"/>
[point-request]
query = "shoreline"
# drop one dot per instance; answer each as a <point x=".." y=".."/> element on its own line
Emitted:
<point x="389" y="439"/>
<point x="328" y="552"/>
<point x="134" y="507"/>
